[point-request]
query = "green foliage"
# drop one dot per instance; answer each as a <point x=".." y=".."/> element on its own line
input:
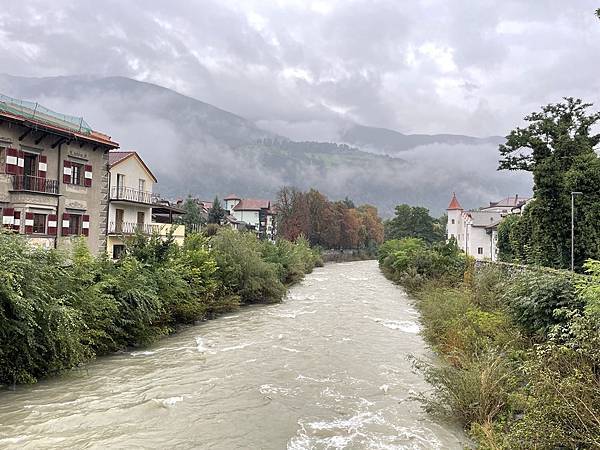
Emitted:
<point x="520" y="360"/>
<point x="216" y="213"/>
<point x="292" y="260"/>
<point x="538" y="301"/>
<point x="192" y="218"/>
<point x="257" y="271"/>
<point x="410" y="261"/>
<point x="58" y="311"/>
<point x="558" y="148"/>
<point x="415" y="221"/>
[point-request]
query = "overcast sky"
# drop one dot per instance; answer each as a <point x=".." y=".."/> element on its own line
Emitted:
<point x="301" y="67"/>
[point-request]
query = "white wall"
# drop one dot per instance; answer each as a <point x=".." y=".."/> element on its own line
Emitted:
<point x="250" y="217"/>
<point x="133" y="171"/>
<point x="130" y="211"/>
<point x="479" y="238"/>
<point x="229" y="205"/>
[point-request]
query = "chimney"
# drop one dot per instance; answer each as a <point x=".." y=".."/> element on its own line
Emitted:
<point x="516" y="199"/>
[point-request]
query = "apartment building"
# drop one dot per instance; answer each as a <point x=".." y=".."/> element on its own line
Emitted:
<point x="53" y="176"/>
<point x="134" y="207"/>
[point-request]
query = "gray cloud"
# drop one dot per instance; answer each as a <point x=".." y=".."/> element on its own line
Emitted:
<point x="434" y="66"/>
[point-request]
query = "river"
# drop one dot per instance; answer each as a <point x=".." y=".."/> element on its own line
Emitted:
<point x="327" y="368"/>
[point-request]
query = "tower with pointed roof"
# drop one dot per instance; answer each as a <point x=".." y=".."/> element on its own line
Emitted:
<point x="454" y="211"/>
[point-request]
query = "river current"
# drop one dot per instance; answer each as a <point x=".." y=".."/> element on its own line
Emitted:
<point x="328" y="368"/>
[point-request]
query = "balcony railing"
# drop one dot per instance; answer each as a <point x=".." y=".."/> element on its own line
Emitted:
<point x="131" y="195"/>
<point x="133" y="228"/>
<point x="34" y="184"/>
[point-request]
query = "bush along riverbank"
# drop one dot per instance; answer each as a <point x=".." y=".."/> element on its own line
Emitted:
<point x="520" y="347"/>
<point x="58" y="311"/>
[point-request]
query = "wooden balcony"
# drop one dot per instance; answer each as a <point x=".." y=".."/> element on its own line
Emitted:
<point x="133" y="228"/>
<point x="127" y="194"/>
<point x="34" y="184"/>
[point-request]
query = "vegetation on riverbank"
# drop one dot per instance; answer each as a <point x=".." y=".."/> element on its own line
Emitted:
<point x="520" y="346"/>
<point x="558" y="147"/>
<point x="58" y="310"/>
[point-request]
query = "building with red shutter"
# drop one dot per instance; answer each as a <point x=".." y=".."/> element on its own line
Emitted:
<point x="53" y="176"/>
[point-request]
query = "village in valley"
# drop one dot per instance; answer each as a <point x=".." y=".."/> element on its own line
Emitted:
<point x="60" y="179"/>
<point x="304" y="225"/>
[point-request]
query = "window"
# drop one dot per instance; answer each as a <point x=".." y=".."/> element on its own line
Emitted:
<point x="39" y="224"/>
<point x="140" y="218"/>
<point x="142" y="185"/>
<point x="480" y="250"/>
<point x="452" y="221"/>
<point x="2" y="160"/>
<point x="77" y="174"/>
<point x="75" y="224"/>
<point x="118" y="250"/>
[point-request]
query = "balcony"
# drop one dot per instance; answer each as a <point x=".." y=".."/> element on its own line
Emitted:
<point x="133" y="228"/>
<point x="127" y="194"/>
<point x="34" y="184"/>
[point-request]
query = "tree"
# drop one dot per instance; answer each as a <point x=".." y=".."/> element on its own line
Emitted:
<point x="327" y="224"/>
<point x="414" y="221"/>
<point x="192" y="219"/>
<point x="557" y="147"/>
<point x="216" y="213"/>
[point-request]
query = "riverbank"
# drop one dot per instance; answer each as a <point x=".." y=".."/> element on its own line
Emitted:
<point x="58" y="311"/>
<point x="521" y="347"/>
<point x="348" y="255"/>
<point x="328" y="367"/>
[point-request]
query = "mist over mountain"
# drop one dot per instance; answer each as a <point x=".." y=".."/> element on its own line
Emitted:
<point x="196" y="148"/>
<point x="393" y="142"/>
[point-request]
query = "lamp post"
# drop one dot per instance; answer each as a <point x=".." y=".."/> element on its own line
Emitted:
<point x="573" y="194"/>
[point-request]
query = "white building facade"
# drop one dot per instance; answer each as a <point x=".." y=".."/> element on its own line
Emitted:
<point x="476" y="231"/>
<point x="130" y="206"/>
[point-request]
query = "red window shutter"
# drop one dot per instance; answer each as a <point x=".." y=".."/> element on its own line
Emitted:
<point x="12" y="160"/>
<point x="67" y="171"/>
<point x="65" y="224"/>
<point x="87" y="176"/>
<point x="52" y="224"/>
<point x="8" y="218"/>
<point x="17" y="221"/>
<point x="42" y="166"/>
<point x="85" y="225"/>
<point x="21" y="162"/>
<point x="28" y="223"/>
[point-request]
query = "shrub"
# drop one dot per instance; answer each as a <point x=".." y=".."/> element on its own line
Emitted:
<point x="538" y="301"/>
<point x="476" y="393"/>
<point x="242" y="269"/>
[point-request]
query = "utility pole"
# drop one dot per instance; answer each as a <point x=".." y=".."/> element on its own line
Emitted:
<point x="573" y="194"/>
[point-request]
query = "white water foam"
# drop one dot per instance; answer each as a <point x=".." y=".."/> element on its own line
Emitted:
<point x="237" y="347"/>
<point x="200" y="345"/>
<point x="406" y="326"/>
<point x="144" y="353"/>
<point x="287" y="349"/>
<point x="168" y="402"/>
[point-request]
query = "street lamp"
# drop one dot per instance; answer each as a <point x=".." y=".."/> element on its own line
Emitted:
<point x="573" y="194"/>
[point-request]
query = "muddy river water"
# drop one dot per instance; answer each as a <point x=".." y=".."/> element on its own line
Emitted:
<point x="327" y="368"/>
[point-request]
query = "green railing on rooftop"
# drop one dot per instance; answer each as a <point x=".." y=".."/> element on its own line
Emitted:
<point x="37" y="112"/>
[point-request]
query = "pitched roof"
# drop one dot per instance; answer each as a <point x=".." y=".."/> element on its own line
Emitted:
<point x="35" y="116"/>
<point x="454" y="205"/>
<point x="510" y="202"/>
<point x="232" y="197"/>
<point x="116" y="157"/>
<point x="252" y="204"/>
<point x="484" y="218"/>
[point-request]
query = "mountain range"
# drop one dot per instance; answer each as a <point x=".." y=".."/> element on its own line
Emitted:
<point x="199" y="149"/>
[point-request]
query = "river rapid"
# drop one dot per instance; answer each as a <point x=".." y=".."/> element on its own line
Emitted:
<point x="326" y="369"/>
